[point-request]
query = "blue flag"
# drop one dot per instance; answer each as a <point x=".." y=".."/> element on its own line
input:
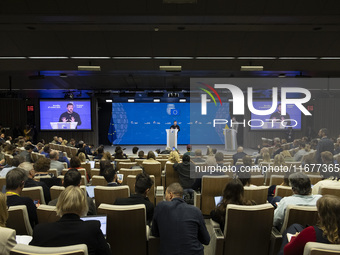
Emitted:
<point x="112" y="135"/>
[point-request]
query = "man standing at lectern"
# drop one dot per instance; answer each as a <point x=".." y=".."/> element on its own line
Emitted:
<point x="70" y="115"/>
<point x="175" y="126"/>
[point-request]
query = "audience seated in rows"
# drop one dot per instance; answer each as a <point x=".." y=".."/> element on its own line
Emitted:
<point x="327" y="230"/>
<point x="7" y="235"/>
<point x="30" y="182"/>
<point x="233" y="193"/>
<point x="301" y="187"/>
<point x="198" y="157"/>
<point x="16" y="161"/>
<point x="46" y="151"/>
<point x="277" y="149"/>
<point x="70" y="230"/>
<point x="180" y="226"/>
<point x="151" y="158"/>
<point x="142" y="187"/>
<point x="141" y="154"/>
<point x="27" y="153"/>
<point x="15" y="181"/>
<point x="189" y="151"/>
<point x="100" y="152"/>
<point x="301" y="152"/>
<point x="73" y="177"/>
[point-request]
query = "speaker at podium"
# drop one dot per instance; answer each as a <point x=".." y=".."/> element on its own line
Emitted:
<point x="64" y="125"/>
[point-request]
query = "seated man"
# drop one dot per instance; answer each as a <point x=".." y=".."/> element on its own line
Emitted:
<point x="301" y="187"/>
<point x="198" y="157"/>
<point x="55" y="164"/>
<point x="26" y="154"/>
<point x="301" y="152"/>
<point x="142" y="187"/>
<point x="110" y="176"/>
<point x="16" y="161"/>
<point x="183" y="170"/>
<point x="46" y="151"/>
<point x="180" y="226"/>
<point x="30" y="182"/>
<point x="73" y="177"/>
<point x="239" y="154"/>
<point x="15" y="181"/>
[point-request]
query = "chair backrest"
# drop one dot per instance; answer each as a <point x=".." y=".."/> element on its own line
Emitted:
<point x="98" y="180"/>
<point x="247" y="229"/>
<point x="127" y="172"/>
<point x="18" y="220"/>
<point x="35" y="193"/>
<point x="212" y="186"/>
<point x="2" y="182"/>
<point x="108" y="195"/>
<point x="139" y="161"/>
<point x="313" y="248"/>
<point x="304" y="215"/>
<point x="47" y="214"/>
<point x="87" y="167"/>
<point x="130" y="220"/>
<point x="330" y="191"/>
<point x="55" y="191"/>
<point x="314" y="179"/>
<point x="258" y="194"/>
<point x="163" y="162"/>
<point x="276" y="179"/>
<point x="257" y="180"/>
<point x="171" y="175"/>
<point x="53" y="171"/>
<point x="23" y="249"/>
<point x="154" y="169"/>
<point x="125" y="164"/>
<point x="283" y="191"/>
<point x="95" y="171"/>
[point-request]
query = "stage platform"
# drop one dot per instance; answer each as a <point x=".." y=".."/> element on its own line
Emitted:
<point x="182" y="148"/>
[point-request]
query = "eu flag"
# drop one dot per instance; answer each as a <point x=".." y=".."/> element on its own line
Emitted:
<point x="112" y="135"/>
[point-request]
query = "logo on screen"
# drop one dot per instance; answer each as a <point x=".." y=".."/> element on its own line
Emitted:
<point x="171" y="110"/>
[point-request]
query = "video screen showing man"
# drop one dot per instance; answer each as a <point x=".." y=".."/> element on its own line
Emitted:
<point x="277" y="116"/>
<point x="175" y="126"/>
<point x="70" y="115"/>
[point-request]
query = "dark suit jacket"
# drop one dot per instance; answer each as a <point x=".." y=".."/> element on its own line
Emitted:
<point x="136" y="199"/>
<point x="183" y="170"/>
<point x="238" y="155"/>
<point x="71" y="230"/>
<point x="324" y="144"/>
<point x="181" y="228"/>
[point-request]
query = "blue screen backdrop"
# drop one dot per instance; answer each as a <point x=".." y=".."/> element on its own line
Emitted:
<point x="50" y="111"/>
<point x="145" y="123"/>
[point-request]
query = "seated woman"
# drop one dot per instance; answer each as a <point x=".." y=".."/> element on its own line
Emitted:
<point x="151" y="158"/>
<point x="232" y="194"/>
<point x="7" y="236"/>
<point x="82" y="157"/>
<point x="327" y="231"/>
<point x="70" y="229"/>
<point x="174" y="157"/>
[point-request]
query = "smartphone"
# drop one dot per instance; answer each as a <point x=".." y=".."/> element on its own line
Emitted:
<point x="173" y="148"/>
<point x="120" y="177"/>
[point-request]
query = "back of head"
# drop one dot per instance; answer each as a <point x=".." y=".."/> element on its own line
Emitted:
<point x="329" y="215"/>
<point x="244" y="178"/>
<point x="103" y="165"/>
<point x="327" y="157"/>
<point x="174" y="157"/>
<point x="54" y="155"/>
<point x="233" y="193"/>
<point x="75" y="162"/>
<point x="300" y="183"/>
<point x="72" y="200"/>
<point x="240" y="149"/>
<point x="27" y="166"/>
<point x="29" y="147"/>
<point x="47" y="149"/>
<point x="141" y="154"/>
<point x="3" y="210"/>
<point x="151" y="155"/>
<point x="198" y="153"/>
<point x="324" y="131"/>
<point x="189" y="148"/>
<point x="279" y="160"/>
<point x="247" y="160"/>
<point x="135" y="150"/>
<point x="17" y="160"/>
<point x="176" y="189"/>
<point x="42" y="165"/>
<point x="72" y="177"/>
<point x="100" y="150"/>
<point x="266" y="157"/>
<point x="186" y="158"/>
<point x="143" y="182"/>
<point x="82" y="157"/>
<point x="109" y="173"/>
<point x="16" y="178"/>
<point x="302" y="145"/>
<point x="219" y="156"/>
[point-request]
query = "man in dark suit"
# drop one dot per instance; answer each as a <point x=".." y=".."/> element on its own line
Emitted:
<point x="325" y="144"/>
<point x="110" y="176"/>
<point x="175" y="126"/>
<point x="180" y="226"/>
<point x="239" y="155"/>
<point x="142" y="187"/>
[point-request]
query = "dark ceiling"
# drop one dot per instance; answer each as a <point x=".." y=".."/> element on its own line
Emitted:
<point x="127" y="28"/>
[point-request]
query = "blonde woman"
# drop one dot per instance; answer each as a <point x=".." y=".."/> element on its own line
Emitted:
<point x="7" y="235"/>
<point x="266" y="157"/>
<point x="174" y="157"/>
<point x="82" y="157"/>
<point x="279" y="160"/>
<point x="70" y="230"/>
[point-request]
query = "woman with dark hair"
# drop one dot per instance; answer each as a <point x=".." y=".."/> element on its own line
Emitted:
<point x="326" y="231"/>
<point x="103" y="165"/>
<point x="232" y="194"/>
<point x="120" y="155"/>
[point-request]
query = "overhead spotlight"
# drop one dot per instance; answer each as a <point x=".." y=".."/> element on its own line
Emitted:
<point x="108" y="100"/>
<point x="170" y="68"/>
<point x="173" y="94"/>
<point x="131" y="100"/>
<point x="251" y="68"/>
<point x="89" y="68"/>
<point x="156" y="100"/>
<point x="182" y="100"/>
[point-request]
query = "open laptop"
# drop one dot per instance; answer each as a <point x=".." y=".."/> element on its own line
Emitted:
<point x="218" y="199"/>
<point x="101" y="218"/>
<point x="90" y="191"/>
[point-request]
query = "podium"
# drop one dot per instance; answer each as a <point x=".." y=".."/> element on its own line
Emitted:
<point x="274" y="125"/>
<point x="64" y="125"/>
<point x="230" y="139"/>
<point x="171" y="138"/>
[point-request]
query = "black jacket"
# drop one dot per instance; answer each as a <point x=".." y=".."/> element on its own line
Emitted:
<point x="71" y="230"/>
<point x="183" y="170"/>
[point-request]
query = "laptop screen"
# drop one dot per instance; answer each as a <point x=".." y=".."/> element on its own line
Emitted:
<point x="101" y="218"/>
<point x="90" y="191"/>
<point x="218" y="199"/>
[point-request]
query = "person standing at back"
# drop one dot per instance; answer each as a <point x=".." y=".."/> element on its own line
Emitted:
<point x="325" y="144"/>
<point x="180" y="226"/>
